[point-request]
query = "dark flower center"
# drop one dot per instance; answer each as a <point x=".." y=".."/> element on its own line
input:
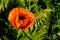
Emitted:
<point x="21" y="18"/>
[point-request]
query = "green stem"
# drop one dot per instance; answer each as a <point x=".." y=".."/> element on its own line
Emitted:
<point x="27" y="35"/>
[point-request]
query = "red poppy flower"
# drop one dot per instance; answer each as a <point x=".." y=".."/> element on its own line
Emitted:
<point x="20" y="18"/>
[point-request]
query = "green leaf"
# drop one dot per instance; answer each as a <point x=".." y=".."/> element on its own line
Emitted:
<point x="3" y="3"/>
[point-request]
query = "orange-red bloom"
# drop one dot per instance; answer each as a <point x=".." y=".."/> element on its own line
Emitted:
<point x="20" y="18"/>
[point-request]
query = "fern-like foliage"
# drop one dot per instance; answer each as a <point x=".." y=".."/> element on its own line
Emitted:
<point x="3" y="3"/>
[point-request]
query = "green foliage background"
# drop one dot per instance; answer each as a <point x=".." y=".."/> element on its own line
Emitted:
<point x="47" y="22"/>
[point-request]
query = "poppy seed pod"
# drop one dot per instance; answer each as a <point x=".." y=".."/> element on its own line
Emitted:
<point x="20" y="18"/>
